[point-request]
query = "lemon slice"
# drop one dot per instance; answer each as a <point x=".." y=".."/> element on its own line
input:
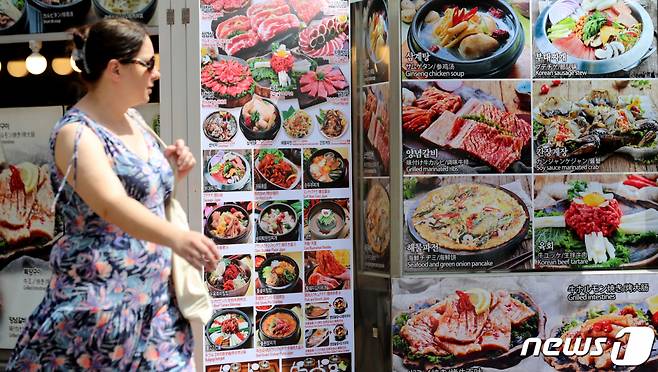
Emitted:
<point x="29" y="175"/>
<point x="653" y="304"/>
<point x="480" y="298"/>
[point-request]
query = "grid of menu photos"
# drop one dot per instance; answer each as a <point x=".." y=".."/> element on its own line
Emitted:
<point x="529" y="144"/>
<point x="276" y="158"/>
<point x="507" y="173"/>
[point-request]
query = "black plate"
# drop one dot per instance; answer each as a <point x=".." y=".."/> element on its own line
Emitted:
<point x="265" y="237"/>
<point x="289" y="38"/>
<point x="326" y="204"/>
<point x="290" y="340"/>
<point x="216" y="139"/>
<point x="338" y="182"/>
<point x="238" y="239"/>
<point x="500" y="251"/>
<point x="228" y="311"/>
<point x="269" y="134"/>
<point x="282" y="289"/>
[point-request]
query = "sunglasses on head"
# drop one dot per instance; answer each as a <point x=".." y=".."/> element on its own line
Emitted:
<point x="150" y="64"/>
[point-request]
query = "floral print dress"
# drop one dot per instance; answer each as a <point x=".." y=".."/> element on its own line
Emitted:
<point x="110" y="305"/>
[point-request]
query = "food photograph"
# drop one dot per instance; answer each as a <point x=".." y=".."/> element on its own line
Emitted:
<point x="231" y="278"/>
<point x="326" y="168"/>
<point x="458" y="223"/>
<point x="278" y="273"/>
<point x="253" y="366"/>
<point x="452" y="323"/>
<point x="220" y="126"/>
<point x="227" y="170"/>
<point x="375" y="127"/>
<point x="278" y="221"/>
<point x="256" y="26"/>
<point x="319" y="363"/>
<point x="13" y="17"/>
<point x="605" y="321"/>
<point x="230" y="329"/>
<point x="376" y="42"/>
<point x="327" y="270"/>
<point x="340" y="305"/>
<point x="28" y="225"/>
<point x="595" y="126"/>
<point x="282" y="325"/>
<point x="482" y="39"/>
<point x="282" y="97"/>
<point x="326" y="219"/>
<point x="596" y="221"/>
<point x="316" y="310"/>
<point x="317" y="337"/>
<point x="595" y="38"/>
<point x="377" y="223"/>
<point x="229" y="223"/>
<point x="466" y="127"/>
<point x="277" y="169"/>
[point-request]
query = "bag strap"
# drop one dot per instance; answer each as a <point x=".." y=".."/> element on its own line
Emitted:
<point x="162" y="144"/>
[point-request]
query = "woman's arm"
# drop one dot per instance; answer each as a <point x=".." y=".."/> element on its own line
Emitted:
<point x="101" y="189"/>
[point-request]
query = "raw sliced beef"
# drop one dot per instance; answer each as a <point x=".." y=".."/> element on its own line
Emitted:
<point x="276" y="25"/>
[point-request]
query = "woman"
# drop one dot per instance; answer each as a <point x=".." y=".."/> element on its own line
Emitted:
<point x="110" y="305"/>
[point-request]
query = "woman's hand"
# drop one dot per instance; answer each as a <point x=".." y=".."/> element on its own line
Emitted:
<point x="182" y="158"/>
<point x="196" y="249"/>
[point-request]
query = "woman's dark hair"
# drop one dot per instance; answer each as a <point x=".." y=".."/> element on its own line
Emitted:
<point x="103" y="41"/>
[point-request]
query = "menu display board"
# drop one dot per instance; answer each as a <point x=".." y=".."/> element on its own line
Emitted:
<point x="28" y="226"/>
<point x="277" y="198"/>
<point x="431" y="330"/>
<point x="505" y="174"/>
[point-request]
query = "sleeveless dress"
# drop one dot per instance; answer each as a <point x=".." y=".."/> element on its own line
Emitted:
<point x="110" y="305"/>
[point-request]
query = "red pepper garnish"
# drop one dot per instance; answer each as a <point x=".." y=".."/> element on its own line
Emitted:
<point x="15" y="181"/>
<point x="464" y="303"/>
<point x="461" y="15"/>
<point x="639" y="181"/>
<point x="603" y="326"/>
<point x="628" y="310"/>
<point x="654" y="319"/>
<point x="555" y="82"/>
<point x="544" y="89"/>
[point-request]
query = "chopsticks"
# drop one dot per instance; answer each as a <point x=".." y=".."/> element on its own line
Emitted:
<point x="513" y="262"/>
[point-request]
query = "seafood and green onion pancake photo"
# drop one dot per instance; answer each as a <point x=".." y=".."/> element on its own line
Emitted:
<point x="600" y="126"/>
<point x="480" y="222"/>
